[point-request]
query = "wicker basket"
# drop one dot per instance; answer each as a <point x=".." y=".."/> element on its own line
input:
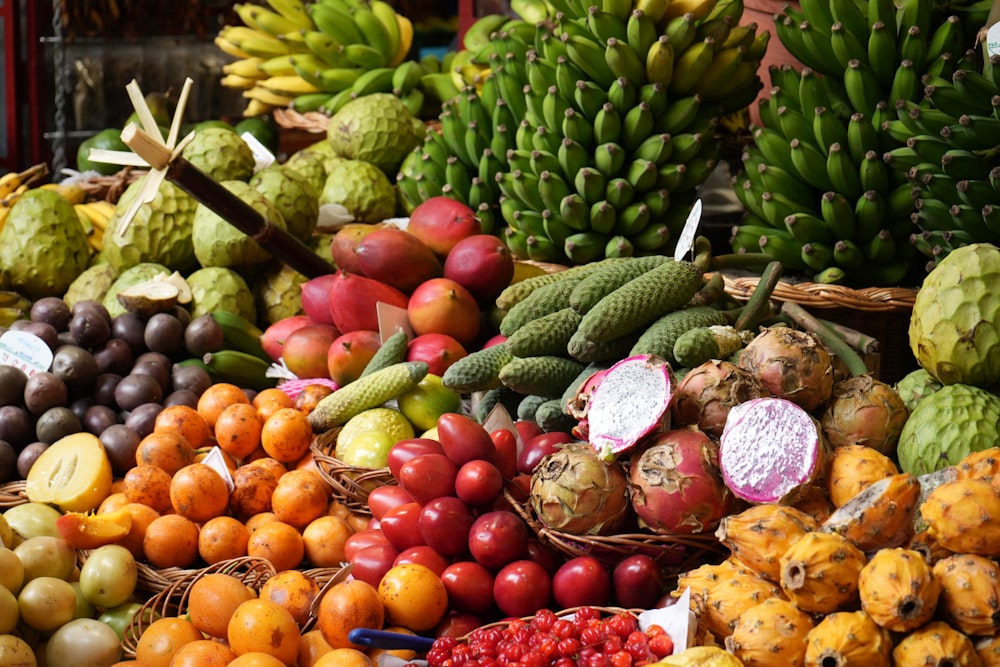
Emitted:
<point x="13" y="494"/>
<point x="172" y="599"/>
<point x="351" y="484"/>
<point x="110" y="188"/>
<point x="673" y="553"/>
<point x="881" y="312"/>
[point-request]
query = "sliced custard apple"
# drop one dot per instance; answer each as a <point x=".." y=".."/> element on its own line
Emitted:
<point x="220" y="153"/>
<point x="361" y="188"/>
<point x="160" y="231"/>
<point x="375" y="128"/>
<point x="219" y="243"/>
<point x="130" y="277"/>
<point x="43" y="247"/>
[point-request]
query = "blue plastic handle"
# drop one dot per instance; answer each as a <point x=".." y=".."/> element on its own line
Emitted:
<point x="389" y="640"/>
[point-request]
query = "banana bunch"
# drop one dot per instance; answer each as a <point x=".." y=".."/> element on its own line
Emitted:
<point x="15" y="183"/>
<point x="818" y="191"/>
<point x="317" y="57"/>
<point x="949" y="153"/>
<point x="241" y="360"/>
<point x="587" y="136"/>
<point x="94" y="217"/>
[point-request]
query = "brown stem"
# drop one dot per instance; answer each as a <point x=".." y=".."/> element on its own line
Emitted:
<point x="759" y="305"/>
<point x="861" y="342"/>
<point x="837" y="345"/>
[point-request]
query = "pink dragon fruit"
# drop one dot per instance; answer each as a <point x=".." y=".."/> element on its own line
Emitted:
<point x="675" y="485"/>
<point x="792" y="364"/>
<point x="630" y="402"/>
<point x="577" y="405"/>
<point x="770" y="449"/>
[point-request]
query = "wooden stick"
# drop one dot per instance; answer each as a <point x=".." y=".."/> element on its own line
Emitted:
<point x="838" y="346"/>
<point x="228" y="206"/>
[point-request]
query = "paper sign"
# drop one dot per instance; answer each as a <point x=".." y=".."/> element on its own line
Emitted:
<point x="216" y="462"/>
<point x="25" y="351"/>
<point x="263" y="158"/>
<point x="992" y="43"/>
<point x="677" y="620"/>
<point x="392" y="319"/>
<point x="686" y="240"/>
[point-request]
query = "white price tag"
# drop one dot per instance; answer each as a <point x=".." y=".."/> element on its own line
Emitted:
<point x="262" y="157"/>
<point x="25" y="351"/>
<point x="686" y="240"/>
<point x="216" y="462"/>
<point x="992" y="42"/>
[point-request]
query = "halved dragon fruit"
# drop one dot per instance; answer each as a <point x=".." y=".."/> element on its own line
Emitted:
<point x="770" y="449"/>
<point x="579" y="403"/>
<point x="630" y="402"/>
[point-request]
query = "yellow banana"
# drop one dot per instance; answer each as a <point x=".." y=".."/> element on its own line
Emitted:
<point x="268" y="97"/>
<point x="386" y="15"/>
<point x="96" y="240"/>
<point x="248" y="14"/>
<point x="405" y="39"/>
<point x="275" y="24"/>
<point x="4" y="212"/>
<point x="11" y="198"/>
<point x="229" y="48"/>
<point x="11" y="181"/>
<point x="246" y="67"/>
<point x="294" y="11"/>
<point x="104" y="207"/>
<point x="238" y="82"/>
<point x="74" y="194"/>
<point x="85" y="220"/>
<point x="700" y="8"/>
<point x="279" y="65"/>
<point x="98" y="213"/>
<point x="237" y="34"/>
<point x="257" y="108"/>
<point x="288" y="85"/>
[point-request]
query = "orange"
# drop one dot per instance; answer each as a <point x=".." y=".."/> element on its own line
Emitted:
<point x="217" y="398"/>
<point x="162" y="639"/>
<point x="287" y="435"/>
<point x="256" y="659"/>
<point x="166" y="450"/>
<point x="294" y="591"/>
<point x="344" y="657"/>
<point x="271" y="400"/>
<point x="203" y="653"/>
<point x="324" y="540"/>
<point x="258" y="520"/>
<point x="279" y="543"/>
<point x="414" y="596"/>
<point x="171" y="541"/>
<point x="300" y="497"/>
<point x="113" y="502"/>
<point x="142" y="516"/>
<point x="185" y="421"/>
<point x="274" y="466"/>
<point x="222" y="538"/>
<point x="253" y="486"/>
<point x="265" y="627"/>
<point x="237" y="430"/>
<point x="310" y="396"/>
<point x="347" y="605"/>
<point x="198" y="493"/>
<point x="212" y="601"/>
<point x="311" y="648"/>
<point x="149" y="485"/>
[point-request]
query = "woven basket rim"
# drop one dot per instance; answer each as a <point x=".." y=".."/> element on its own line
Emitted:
<point x="350" y="484"/>
<point x="13" y="494"/>
<point x="820" y="295"/>
<point x="310" y="121"/>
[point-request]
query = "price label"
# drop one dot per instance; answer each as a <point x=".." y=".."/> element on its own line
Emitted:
<point x="992" y="42"/>
<point x="686" y="240"/>
<point x="25" y="351"/>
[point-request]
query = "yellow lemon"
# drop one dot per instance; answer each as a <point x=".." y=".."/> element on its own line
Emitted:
<point x="366" y="438"/>
<point x="430" y="399"/>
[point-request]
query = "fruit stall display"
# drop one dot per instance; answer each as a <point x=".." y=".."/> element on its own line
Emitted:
<point x="513" y="401"/>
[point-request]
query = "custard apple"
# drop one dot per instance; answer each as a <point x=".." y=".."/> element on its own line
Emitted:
<point x="278" y="292"/>
<point x="218" y="288"/>
<point x="375" y="128"/>
<point x="160" y="232"/>
<point x="218" y="243"/>
<point x="133" y="275"/>
<point x="362" y="189"/>
<point x="293" y="195"/>
<point x="91" y="285"/>
<point x="311" y="163"/>
<point x="43" y="247"/>
<point x="916" y="385"/>
<point x="955" y="325"/>
<point x="947" y="426"/>
<point x="220" y="153"/>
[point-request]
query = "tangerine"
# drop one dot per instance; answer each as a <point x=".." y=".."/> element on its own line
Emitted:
<point x="149" y="485"/>
<point x="217" y="398"/>
<point x="185" y="421"/>
<point x="299" y="497"/>
<point x="203" y="653"/>
<point x="312" y="647"/>
<point x="253" y="487"/>
<point x="256" y="659"/>
<point x="222" y="538"/>
<point x="142" y="516"/>
<point x="171" y="540"/>
<point x="273" y="395"/>
<point x="198" y="492"/>
<point x="286" y="435"/>
<point x="113" y="502"/>
<point x="310" y="396"/>
<point x="162" y="639"/>
<point x="212" y="601"/>
<point x="166" y="450"/>
<point x="344" y="657"/>
<point x="237" y="430"/>
<point x="274" y="466"/>
<point x="324" y="540"/>
<point x="258" y="520"/>
<point x="265" y="627"/>
<point x="347" y="605"/>
<point x="279" y="543"/>
<point x="413" y="596"/>
<point x="294" y="591"/>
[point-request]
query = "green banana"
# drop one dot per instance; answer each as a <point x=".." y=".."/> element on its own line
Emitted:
<point x="589" y="57"/>
<point x="660" y="62"/>
<point x="240" y="334"/>
<point x="816" y="255"/>
<point x="678" y="115"/>
<point x="882" y="247"/>
<point x="585" y="247"/>
<point x="810" y="164"/>
<point x="848" y="255"/>
<point x="640" y="32"/>
<point x="240" y="368"/>
<point x="365" y="56"/>
<point x="847" y="47"/>
<point x="913" y="46"/>
<point x="838" y="213"/>
<point x="691" y="65"/>
<point x="862" y="86"/>
<point x="609" y="157"/>
<point x="869" y="212"/>
<point x="624" y="62"/>
<point x="575" y="212"/>
<point x="873" y="172"/>
<point x="842" y="172"/>
<point x="882" y="52"/>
